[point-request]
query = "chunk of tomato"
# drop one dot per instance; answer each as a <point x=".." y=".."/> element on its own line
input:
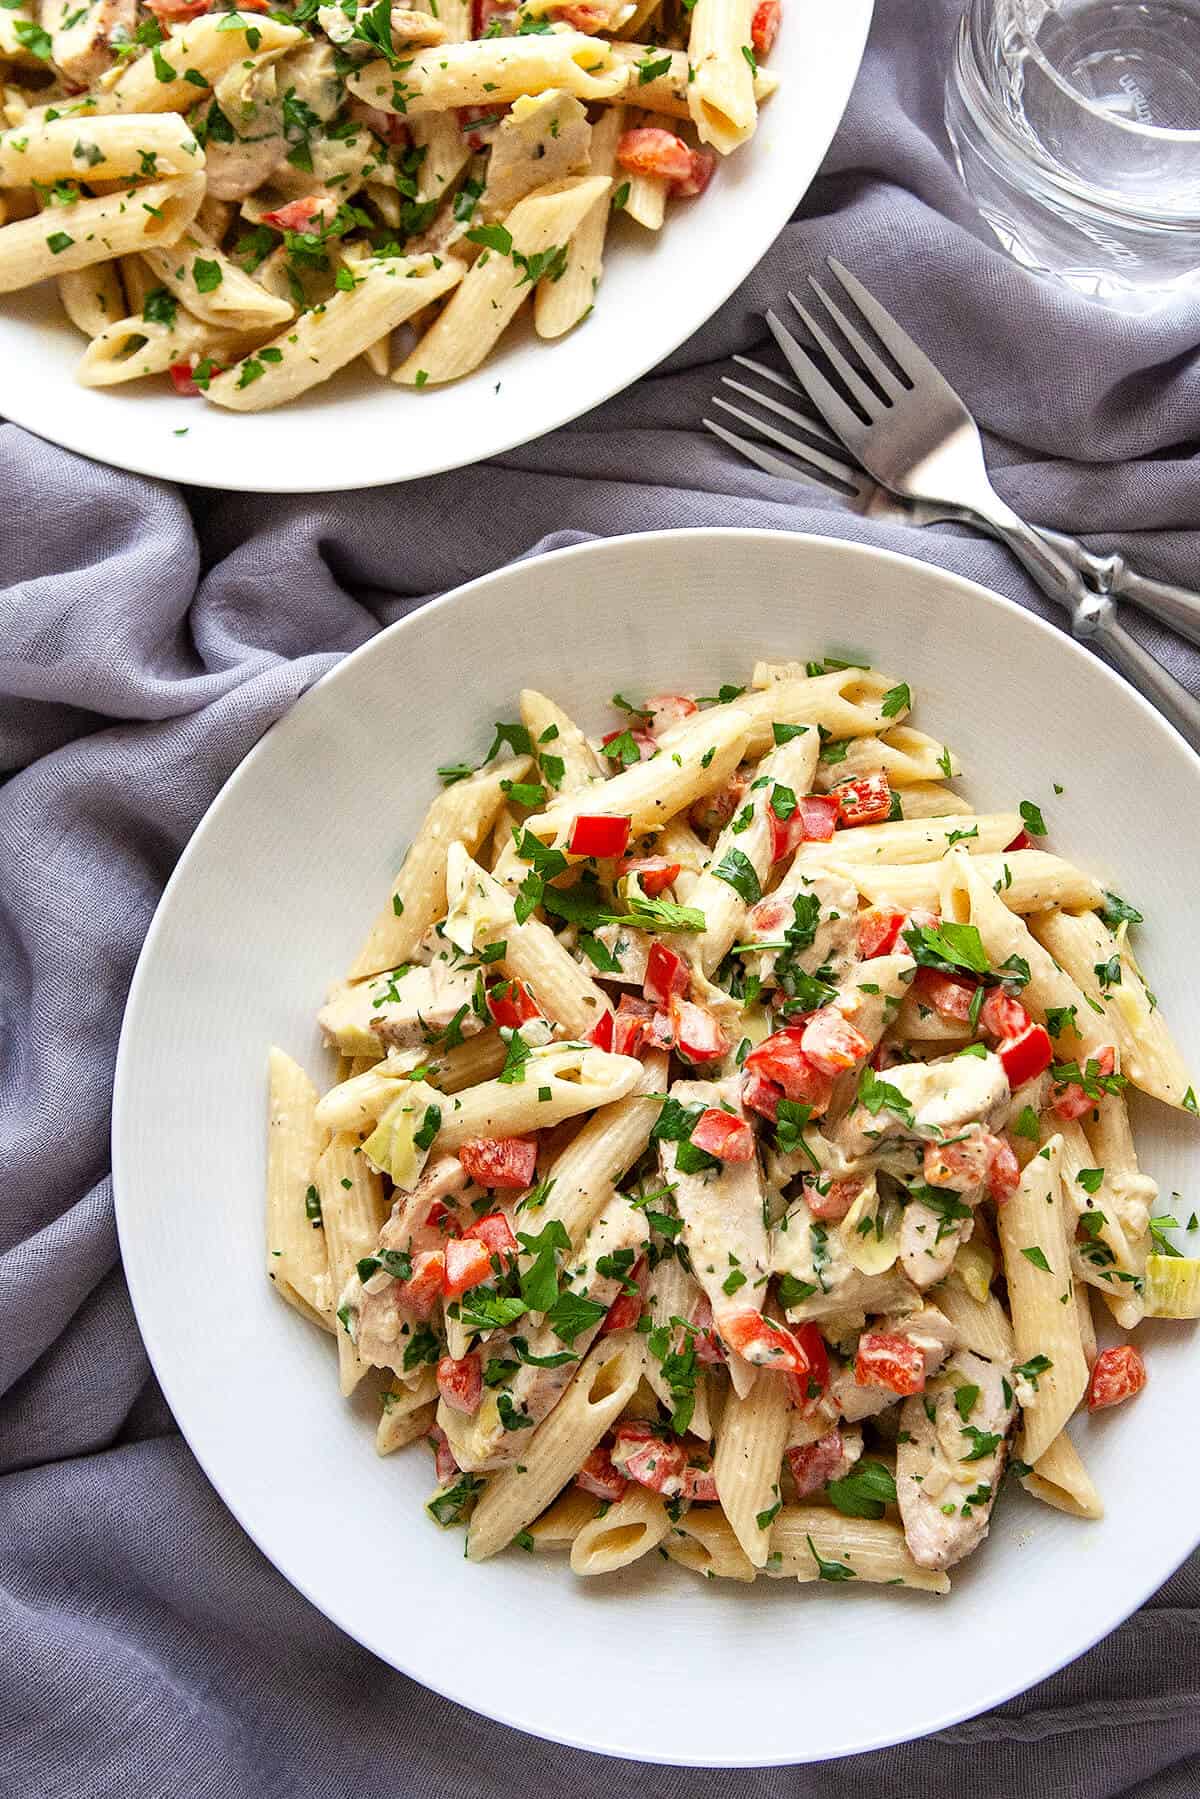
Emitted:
<point x="722" y="1135"/>
<point x="878" y="931"/>
<point x="499" y="1161"/>
<point x="460" y="1382"/>
<point x="886" y="1359"/>
<point x="494" y="1230"/>
<point x="666" y="973"/>
<point x="865" y="802"/>
<point x="832" y="1044"/>
<point x="468" y="1263"/>
<point x="814" y="1465"/>
<point x="1117" y="1375"/>
<point x="599" y="1476"/>
<point x="767" y="1345"/>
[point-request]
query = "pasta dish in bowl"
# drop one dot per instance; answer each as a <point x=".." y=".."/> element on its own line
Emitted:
<point x="745" y="1151"/>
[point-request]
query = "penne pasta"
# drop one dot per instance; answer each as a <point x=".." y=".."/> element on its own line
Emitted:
<point x="297" y="1259"/>
<point x="747" y="1459"/>
<point x="635" y="1525"/>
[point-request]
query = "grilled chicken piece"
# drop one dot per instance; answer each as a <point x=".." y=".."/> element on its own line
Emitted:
<point x="486" y="1441"/>
<point x="81" y="37"/>
<point x="543" y="138"/>
<point x="948" y="1466"/>
<point x="722" y="1215"/>
<point x="825" y="928"/>
<point x="384" y="1326"/>
<point x="404" y="1010"/>
<point x="942" y="1098"/>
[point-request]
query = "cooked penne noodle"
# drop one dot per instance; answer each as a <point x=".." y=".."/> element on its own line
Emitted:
<point x="565" y="298"/>
<point x="320" y="342"/>
<point x="352" y="1210"/>
<point x="746" y="1463"/>
<point x="561" y="1523"/>
<point x="1037" y="1266"/>
<point x="492" y="72"/>
<point x="982" y="1326"/>
<point x="297" y="1259"/>
<point x="705" y="1541"/>
<point x="920" y="840"/>
<point x="99" y="149"/>
<point x="721" y="72"/>
<point x="560" y="1082"/>
<point x="868" y="1549"/>
<point x="581" y="1179"/>
<point x="407" y="1412"/>
<point x="1060" y="1479"/>
<point x="460" y="814"/>
<point x="1025" y="880"/>
<point x="1105" y="971"/>
<point x="92" y="299"/>
<point x="658" y="80"/>
<point x="635" y="1525"/>
<point x="597" y="1395"/>
<point x="905" y="756"/>
<point x="73" y="237"/>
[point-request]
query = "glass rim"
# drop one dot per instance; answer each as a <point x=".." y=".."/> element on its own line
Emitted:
<point x="1059" y="185"/>
<point x="1130" y="127"/>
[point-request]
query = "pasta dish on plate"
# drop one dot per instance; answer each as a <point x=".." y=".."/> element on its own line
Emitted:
<point x="729" y="1149"/>
<point x="244" y="201"/>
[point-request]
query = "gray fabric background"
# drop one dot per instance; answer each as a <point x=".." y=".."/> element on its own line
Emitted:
<point x="146" y="641"/>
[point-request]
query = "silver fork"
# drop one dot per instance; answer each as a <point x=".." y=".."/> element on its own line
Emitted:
<point x="910" y="430"/>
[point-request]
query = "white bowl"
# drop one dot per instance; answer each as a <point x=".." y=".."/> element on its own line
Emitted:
<point x="270" y="901"/>
<point x="357" y="431"/>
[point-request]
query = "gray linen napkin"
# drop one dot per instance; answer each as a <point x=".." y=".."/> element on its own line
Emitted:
<point x="144" y="647"/>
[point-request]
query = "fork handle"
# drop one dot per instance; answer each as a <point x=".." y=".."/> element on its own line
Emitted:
<point x="1094" y="617"/>
<point x="1138" y="666"/>
<point x="1177" y="607"/>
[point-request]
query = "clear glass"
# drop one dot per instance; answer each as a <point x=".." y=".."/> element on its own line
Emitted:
<point x="1076" y="128"/>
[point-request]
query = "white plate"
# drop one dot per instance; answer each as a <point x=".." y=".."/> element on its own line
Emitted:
<point x="356" y="431"/>
<point x="270" y="901"/>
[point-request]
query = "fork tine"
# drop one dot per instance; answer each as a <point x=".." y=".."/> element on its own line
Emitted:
<point x="760" y="368"/>
<point x="844" y="421"/>
<point x="816" y="429"/>
<point x="844" y="476"/>
<point x="866" y="396"/>
<point x="904" y="351"/>
<point x="879" y="370"/>
<point x="767" y="461"/>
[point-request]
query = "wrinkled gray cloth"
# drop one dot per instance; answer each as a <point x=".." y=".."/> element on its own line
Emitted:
<point x="145" y="644"/>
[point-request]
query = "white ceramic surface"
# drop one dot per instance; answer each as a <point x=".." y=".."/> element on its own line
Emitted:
<point x="356" y="431"/>
<point x="271" y="900"/>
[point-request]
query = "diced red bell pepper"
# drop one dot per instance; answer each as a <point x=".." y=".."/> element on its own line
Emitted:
<point x="699" y="1483"/>
<point x="512" y="1004"/>
<point x="878" y="931"/>
<point x="814" y="1465"/>
<point x="626" y="1308"/>
<point x="667" y="709"/>
<point x="468" y="1263"/>
<point x="597" y="835"/>
<point x="599" y="1476"/>
<point x="601" y="1033"/>
<point x="631" y="1026"/>
<point x="655" y="874"/>
<point x="713" y="811"/>
<point x="1026" y="1056"/>
<point x="642" y="1455"/>
<point x="422" y="1290"/>
<point x="782" y="1058"/>
<point x="1069" y="1099"/>
<point x="444" y="1465"/>
<point x="960" y="1165"/>
<point x="440" y="1218"/>
<point x="499" y="1161"/>
<point x="1117" y="1374"/>
<point x="886" y="1359"/>
<point x="177" y="12"/>
<point x="808" y="1388"/>
<point x="835" y="1201"/>
<point x="948" y="996"/>
<point x="704" y="167"/>
<point x="865" y="802"/>
<point x="666" y="973"/>
<point x="818" y="813"/>
<point x="708" y="1346"/>
<point x="698" y="1036"/>
<point x="1022" y="841"/>
<point x="183" y="379"/>
<point x="722" y="1135"/>
<point x="764" y="27"/>
<point x="1002" y="1016"/>
<point x="494" y="1230"/>
<point x="300" y="215"/>
<point x="761" y="1095"/>
<point x="767" y="1345"/>
<point x="645" y="745"/>
<point x="786" y="834"/>
<point x="649" y="150"/>
<point x="1004" y="1171"/>
<point x="460" y="1382"/>
<point x="832" y="1044"/>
